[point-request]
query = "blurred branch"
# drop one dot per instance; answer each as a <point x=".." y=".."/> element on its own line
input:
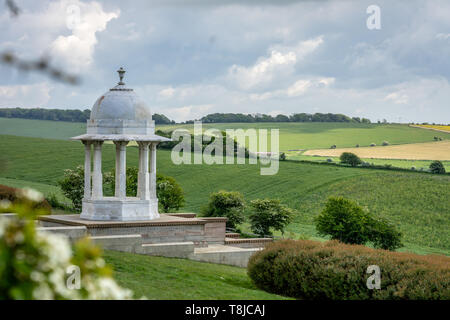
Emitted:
<point x="13" y="8"/>
<point x="41" y="65"/>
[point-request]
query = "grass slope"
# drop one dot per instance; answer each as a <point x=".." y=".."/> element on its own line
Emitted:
<point x="415" y="202"/>
<point x="292" y="135"/>
<point x="174" y="279"/>
<point x="323" y="135"/>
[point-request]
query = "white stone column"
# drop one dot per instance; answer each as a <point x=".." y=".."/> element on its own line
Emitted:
<point x="121" y="169"/>
<point x="143" y="177"/>
<point x="97" y="177"/>
<point x="153" y="170"/>
<point x="87" y="169"/>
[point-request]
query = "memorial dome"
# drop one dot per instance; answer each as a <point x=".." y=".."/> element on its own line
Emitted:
<point x="121" y="103"/>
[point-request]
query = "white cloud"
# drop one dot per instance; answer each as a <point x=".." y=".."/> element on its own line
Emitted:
<point x="281" y="61"/>
<point x="189" y="112"/>
<point x="397" y="98"/>
<point x="443" y="36"/>
<point x="25" y="96"/>
<point x="298" y="88"/>
<point x="77" y="50"/>
<point x="167" y="92"/>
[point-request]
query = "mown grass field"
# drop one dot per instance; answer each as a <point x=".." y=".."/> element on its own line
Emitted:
<point x="415" y="202"/>
<point x="438" y="150"/>
<point x="399" y="163"/>
<point x="172" y="279"/>
<point x="293" y="136"/>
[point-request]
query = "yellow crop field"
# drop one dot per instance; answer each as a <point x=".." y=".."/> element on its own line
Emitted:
<point x="439" y="150"/>
<point x="433" y="127"/>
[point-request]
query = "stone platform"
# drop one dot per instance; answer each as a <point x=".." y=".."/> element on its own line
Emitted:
<point x="180" y="235"/>
<point x="167" y="228"/>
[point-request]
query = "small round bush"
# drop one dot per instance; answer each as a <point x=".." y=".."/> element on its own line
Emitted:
<point x="169" y="192"/>
<point x="437" y="167"/>
<point x="357" y="146"/>
<point x="350" y="158"/>
<point x="346" y="221"/>
<point x="373" y="145"/>
<point x="385" y="143"/>
<point x="282" y="156"/>
<point x="269" y="214"/>
<point x="229" y="204"/>
<point x="333" y="146"/>
<point x="329" y="160"/>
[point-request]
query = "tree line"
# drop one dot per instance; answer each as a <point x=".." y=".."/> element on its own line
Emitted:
<point x="296" y="117"/>
<point x="74" y="115"/>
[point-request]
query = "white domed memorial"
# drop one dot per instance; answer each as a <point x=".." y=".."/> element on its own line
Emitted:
<point x="120" y="116"/>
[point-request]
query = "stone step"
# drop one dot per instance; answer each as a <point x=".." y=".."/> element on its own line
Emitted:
<point x="169" y="249"/>
<point x="248" y="242"/>
<point x="72" y="232"/>
<point x="232" y="235"/>
<point x="126" y="243"/>
<point x="223" y="254"/>
<point x="182" y="215"/>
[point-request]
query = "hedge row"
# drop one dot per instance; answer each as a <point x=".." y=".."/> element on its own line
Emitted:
<point x="307" y="269"/>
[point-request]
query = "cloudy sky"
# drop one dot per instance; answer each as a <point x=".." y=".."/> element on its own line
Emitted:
<point x="187" y="58"/>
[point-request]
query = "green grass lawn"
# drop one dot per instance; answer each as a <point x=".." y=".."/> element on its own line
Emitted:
<point x="417" y="203"/>
<point x="292" y="135"/>
<point x="174" y="279"/>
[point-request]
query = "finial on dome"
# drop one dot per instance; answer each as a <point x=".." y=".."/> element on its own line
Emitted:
<point x="121" y="72"/>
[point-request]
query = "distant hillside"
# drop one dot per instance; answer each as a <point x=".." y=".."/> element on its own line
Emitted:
<point x="71" y="115"/>
<point x="296" y="117"/>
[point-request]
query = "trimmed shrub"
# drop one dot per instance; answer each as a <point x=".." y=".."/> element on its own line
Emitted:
<point x="385" y="143"/>
<point x="373" y="145"/>
<point x="306" y="269"/>
<point x="169" y="193"/>
<point x="343" y="220"/>
<point x="229" y="204"/>
<point x="282" y="156"/>
<point x="15" y="195"/>
<point x="350" y="158"/>
<point x="346" y="221"/>
<point x="437" y="167"/>
<point x="72" y="186"/>
<point x="333" y="146"/>
<point x="269" y="214"/>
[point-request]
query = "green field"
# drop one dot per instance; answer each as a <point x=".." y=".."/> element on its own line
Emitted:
<point x="170" y="279"/>
<point x="415" y="202"/>
<point x="293" y="136"/>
